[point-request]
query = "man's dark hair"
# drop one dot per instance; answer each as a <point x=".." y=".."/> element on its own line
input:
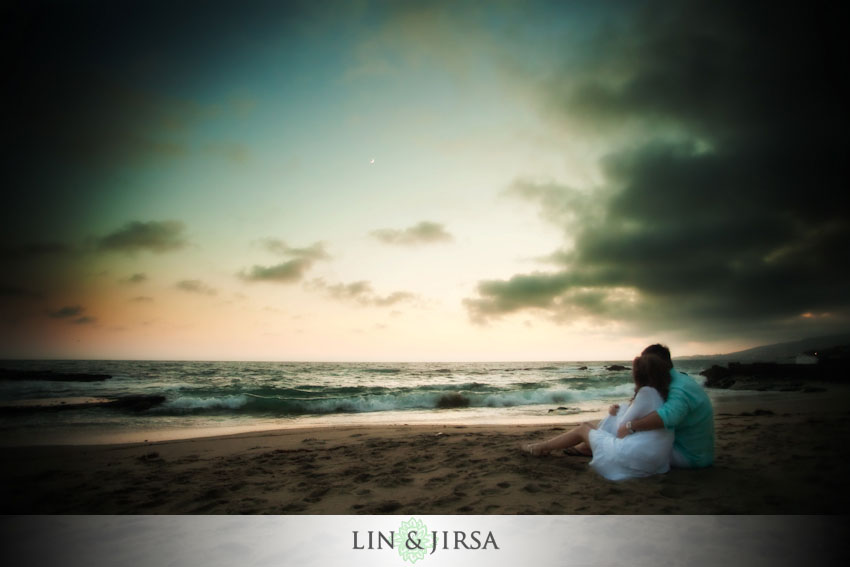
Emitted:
<point x="660" y="351"/>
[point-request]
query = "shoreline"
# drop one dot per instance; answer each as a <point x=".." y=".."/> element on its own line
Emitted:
<point x="546" y="416"/>
<point x="365" y="420"/>
<point x="776" y="454"/>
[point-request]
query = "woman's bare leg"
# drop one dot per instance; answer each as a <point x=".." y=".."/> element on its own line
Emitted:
<point x="569" y="439"/>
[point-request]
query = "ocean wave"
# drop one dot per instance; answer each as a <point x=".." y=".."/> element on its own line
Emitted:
<point x="185" y="403"/>
<point x="447" y="397"/>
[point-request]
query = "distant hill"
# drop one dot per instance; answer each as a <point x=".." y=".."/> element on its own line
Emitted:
<point x="780" y="352"/>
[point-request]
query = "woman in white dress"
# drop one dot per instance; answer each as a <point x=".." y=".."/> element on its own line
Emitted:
<point x="638" y="454"/>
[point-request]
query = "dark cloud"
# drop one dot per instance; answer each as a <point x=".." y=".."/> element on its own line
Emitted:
<point x="73" y="314"/>
<point x="425" y="232"/>
<point x="141" y="299"/>
<point x="728" y="212"/>
<point x="522" y="291"/>
<point x="195" y="286"/>
<point x="291" y="271"/>
<point x="315" y="252"/>
<point x="136" y="278"/>
<point x="66" y="312"/>
<point x="360" y="292"/>
<point x="286" y="272"/>
<point x="154" y="236"/>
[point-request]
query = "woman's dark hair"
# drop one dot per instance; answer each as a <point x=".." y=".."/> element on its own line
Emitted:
<point x="652" y="370"/>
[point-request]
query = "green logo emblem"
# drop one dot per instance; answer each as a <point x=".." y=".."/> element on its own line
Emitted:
<point x="414" y="540"/>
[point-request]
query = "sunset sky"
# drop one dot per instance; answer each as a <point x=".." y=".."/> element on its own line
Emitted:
<point x="551" y="180"/>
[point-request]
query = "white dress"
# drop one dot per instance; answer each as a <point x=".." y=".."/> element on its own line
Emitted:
<point x="640" y="454"/>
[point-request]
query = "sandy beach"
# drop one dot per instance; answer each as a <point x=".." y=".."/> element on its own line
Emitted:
<point x="777" y="453"/>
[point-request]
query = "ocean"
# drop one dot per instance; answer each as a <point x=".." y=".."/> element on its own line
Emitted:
<point x="192" y="399"/>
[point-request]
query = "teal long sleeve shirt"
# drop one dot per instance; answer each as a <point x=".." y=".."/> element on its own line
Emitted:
<point x="688" y="412"/>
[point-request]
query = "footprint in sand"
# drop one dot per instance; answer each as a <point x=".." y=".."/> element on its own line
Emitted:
<point x="317" y="495"/>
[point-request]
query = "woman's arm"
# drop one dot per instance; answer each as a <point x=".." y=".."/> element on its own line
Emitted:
<point x="644" y="403"/>
<point x="646" y="423"/>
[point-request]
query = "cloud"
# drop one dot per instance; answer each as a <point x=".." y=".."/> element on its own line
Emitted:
<point x="290" y="271"/>
<point x="141" y="299"/>
<point x="423" y="233"/>
<point x="73" y="314"/>
<point x="286" y="272"/>
<point x="136" y="278"/>
<point x="195" y="286"/>
<point x="522" y="291"/>
<point x="154" y="236"/>
<point x="315" y="252"/>
<point x="721" y="208"/>
<point x="65" y="312"/>
<point x="360" y="292"/>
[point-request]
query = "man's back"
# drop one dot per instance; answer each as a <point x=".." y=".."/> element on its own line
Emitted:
<point x="688" y="411"/>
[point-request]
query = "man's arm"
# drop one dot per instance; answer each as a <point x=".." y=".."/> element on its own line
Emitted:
<point x="646" y="423"/>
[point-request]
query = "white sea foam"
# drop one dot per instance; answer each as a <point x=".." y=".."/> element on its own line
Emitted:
<point x="200" y="394"/>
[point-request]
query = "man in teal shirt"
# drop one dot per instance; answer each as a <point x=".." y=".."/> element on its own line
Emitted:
<point x="687" y="411"/>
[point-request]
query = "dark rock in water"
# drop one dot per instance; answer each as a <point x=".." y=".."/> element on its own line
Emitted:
<point x="718" y="377"/>
<point x="616" y="367"/>
<point x="448" y="401"/>
<point x="775" y="376"/>
<point x="47" y="375"/>
<point x="757" y="412"/>
<point x="582" y="367"/>
<point x="131" y="403"/>
<point x="135" y="403"/>
<point x="150" y="457"/>
<point x="565" y="410"/>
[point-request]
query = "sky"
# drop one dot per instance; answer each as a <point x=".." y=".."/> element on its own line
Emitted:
<point x="422" y="181"/>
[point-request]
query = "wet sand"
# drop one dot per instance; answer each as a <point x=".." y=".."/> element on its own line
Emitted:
<point x="776" y="454"/>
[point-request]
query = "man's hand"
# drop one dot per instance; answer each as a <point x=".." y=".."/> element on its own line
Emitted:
<point x="646" y="423"/>
<point x="614" y="409"/>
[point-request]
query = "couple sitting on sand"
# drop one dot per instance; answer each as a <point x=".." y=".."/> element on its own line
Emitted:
<point x="669" y="422"/>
